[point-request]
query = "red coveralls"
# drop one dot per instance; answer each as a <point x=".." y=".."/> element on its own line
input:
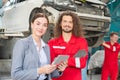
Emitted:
<point x="110" y="65"/>
<point x="59" y="47"/>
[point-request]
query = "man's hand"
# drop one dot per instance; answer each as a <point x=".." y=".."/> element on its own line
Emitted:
<point x="62" y="66"/>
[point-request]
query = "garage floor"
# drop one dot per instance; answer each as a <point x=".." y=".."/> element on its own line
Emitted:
<point x="90" y="77"/>
<point x="96" y="77"/>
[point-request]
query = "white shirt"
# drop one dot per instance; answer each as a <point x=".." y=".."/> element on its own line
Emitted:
<point x="42" y="56"/>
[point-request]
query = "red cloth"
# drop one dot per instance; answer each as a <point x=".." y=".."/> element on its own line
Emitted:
<point x="110" y="65"/>
<point x="59" y="47"/>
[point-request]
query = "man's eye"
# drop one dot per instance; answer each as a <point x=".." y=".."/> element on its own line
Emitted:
<point x="64" y="21"/>
<point x="70" y="22"/>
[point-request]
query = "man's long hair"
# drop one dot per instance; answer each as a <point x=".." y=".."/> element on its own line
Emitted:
<point x="77" y="27"/>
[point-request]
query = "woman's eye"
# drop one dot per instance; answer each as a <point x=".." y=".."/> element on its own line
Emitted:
<point x="45" y="25"/>
<point x="38" y="23"/>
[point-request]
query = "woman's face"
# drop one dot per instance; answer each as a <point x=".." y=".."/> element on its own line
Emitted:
<point x="39" y="26"/>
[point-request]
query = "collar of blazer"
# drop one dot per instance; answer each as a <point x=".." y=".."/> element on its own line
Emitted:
<point x="33" y="48"/>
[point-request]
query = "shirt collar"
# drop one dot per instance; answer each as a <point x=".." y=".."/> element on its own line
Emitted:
<point x="72" y="40"/>
<point x="113" y="44"/>
<point x="42" y="43"/>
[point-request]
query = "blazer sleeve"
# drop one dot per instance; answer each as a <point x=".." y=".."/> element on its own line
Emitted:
<point x="56" y="74"/>
<point x="18" y="72"/>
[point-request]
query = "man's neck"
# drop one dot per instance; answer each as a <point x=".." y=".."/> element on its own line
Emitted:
<point x="67" y="36"/>
<point x="112" y="43"/>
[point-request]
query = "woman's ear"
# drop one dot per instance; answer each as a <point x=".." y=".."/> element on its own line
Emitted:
<point x="31" y="25"/>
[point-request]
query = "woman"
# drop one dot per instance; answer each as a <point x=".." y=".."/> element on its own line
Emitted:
<point x="31" y="57"/>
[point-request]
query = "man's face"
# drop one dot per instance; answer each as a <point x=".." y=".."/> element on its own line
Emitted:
<point x="114" y="38"/>
<point x="67" y="24"/>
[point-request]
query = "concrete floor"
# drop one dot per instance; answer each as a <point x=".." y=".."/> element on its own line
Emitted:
<point x="89" y="77"/>
<point x="94" y="77"/>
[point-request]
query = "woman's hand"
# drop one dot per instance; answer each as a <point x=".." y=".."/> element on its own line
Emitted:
<point x="47" y="69"/>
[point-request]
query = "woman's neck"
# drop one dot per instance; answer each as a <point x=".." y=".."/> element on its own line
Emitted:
<point x="37" y="39"/>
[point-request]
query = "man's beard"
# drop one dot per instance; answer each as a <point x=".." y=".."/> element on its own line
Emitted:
<point x="67" y="31"/>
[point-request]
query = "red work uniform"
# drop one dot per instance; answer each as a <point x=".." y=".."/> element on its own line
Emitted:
<point x="110" y="65"/>
<point x="59" y="47"/>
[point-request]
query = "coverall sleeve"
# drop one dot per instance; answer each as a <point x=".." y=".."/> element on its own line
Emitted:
<point x="79" y="62"/>
<point x="111" y="48"/>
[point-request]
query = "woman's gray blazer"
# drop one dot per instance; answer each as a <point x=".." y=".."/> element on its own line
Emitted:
<point x="25" y="60"/>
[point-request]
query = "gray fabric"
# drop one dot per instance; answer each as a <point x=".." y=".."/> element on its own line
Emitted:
<point x="26" y="61"/>
<point x="96" y="59"/>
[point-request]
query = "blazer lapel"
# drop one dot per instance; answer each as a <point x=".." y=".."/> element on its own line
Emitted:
<point x="47" y="52"/>
<point x="33" y="50"/>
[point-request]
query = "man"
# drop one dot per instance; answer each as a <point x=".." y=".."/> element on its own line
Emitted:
<point x="68" y="41"/>
<point x="110" y="65"/>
